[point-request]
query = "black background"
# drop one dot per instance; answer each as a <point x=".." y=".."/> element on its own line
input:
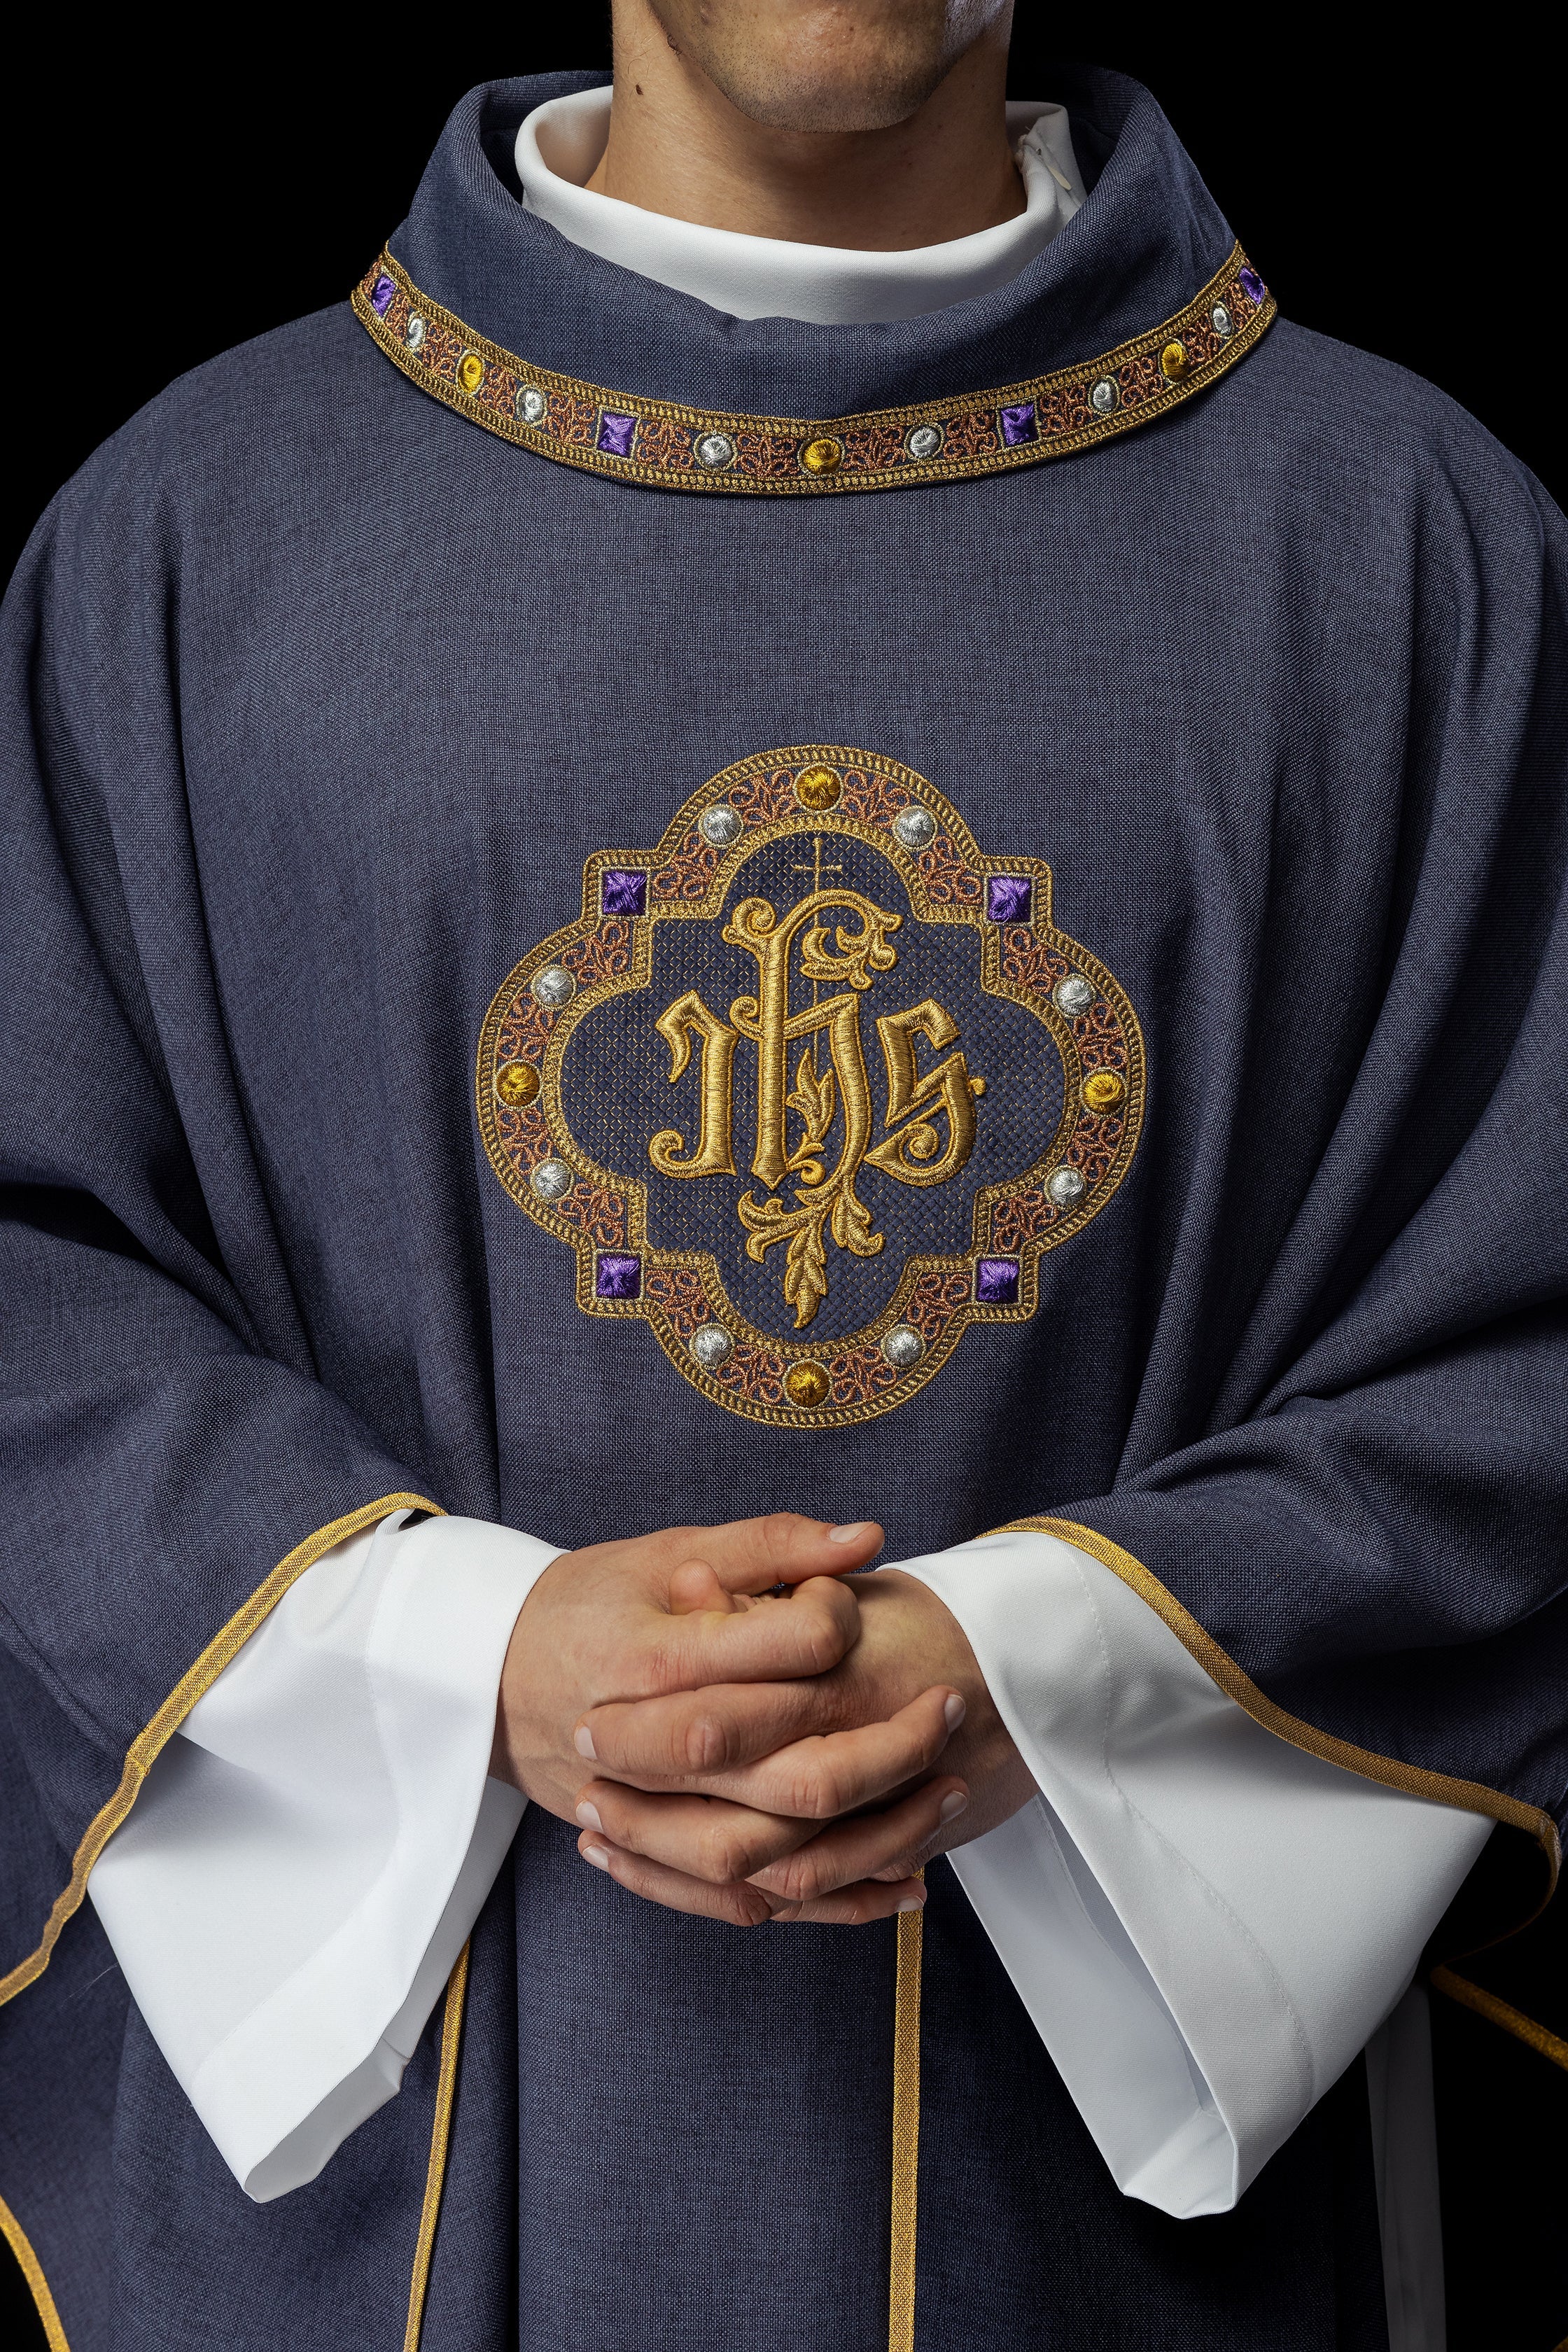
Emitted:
<point x="170" y="195"/>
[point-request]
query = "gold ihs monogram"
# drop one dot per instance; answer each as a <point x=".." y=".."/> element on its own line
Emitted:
<point x="911" y="1148"/>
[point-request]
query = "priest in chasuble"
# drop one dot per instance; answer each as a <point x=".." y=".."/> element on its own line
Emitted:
<point x="783" y="1097"/>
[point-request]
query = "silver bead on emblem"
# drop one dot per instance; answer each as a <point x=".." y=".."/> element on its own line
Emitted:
<point x="715" y="451"/>
<point x="1065" y="1187"/>
<point x="924" y="440"/>
<point x="552" y="1180"/>
<point x="531" y="404"/>
<point x="1105" y="395"/>
<point x="413" y="333"/>
<point x="720" y="826"/>
<point x="915" y="826"/>
<point x="710" y="1343"/>
<point x="1221" y="321"/>
<point x="1072" y="995"/>
<point x="902" y="1347"/>
<point x="553" y="987"/>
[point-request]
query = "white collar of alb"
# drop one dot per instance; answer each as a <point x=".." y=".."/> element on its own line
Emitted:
<point x="559" y="143"/>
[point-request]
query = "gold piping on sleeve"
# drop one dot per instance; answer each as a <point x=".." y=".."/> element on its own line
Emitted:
<point x="1538" y="2038"/>
<point x="144" y="1749"/>
<point x="37" y="2285"/>
<point x="440" y="2138"/>
<point x="1438" y="1788"/>
<point x="906" y="2132"/>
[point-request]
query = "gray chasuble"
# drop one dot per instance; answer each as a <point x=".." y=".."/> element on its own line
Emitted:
<point x="570" y="962"/>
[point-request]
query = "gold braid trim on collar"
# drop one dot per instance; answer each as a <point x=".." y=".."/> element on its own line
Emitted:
<point x="663" y="445"/>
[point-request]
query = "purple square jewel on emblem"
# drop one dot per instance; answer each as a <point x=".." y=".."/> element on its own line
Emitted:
<point x="616" y="434"/>
<point x="617" y="1277"/>
<point x="1252" y="286"/>
<point x="995" y="1282"/>
<point x="622" y="893"/>
<point x="1009" y="896"/>
<point x="1018" y="425"/>
<point x="381" y="295"/>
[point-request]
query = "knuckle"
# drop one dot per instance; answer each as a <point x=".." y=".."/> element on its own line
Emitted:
<point x="702" y="1745"/>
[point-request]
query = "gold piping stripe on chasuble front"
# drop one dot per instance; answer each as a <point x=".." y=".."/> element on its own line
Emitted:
<point x="1438" y="1788"/>
<point x="145" y="1748"/>
<point x="666" y="445"/>
<point x="440" y="2139"/>
<point x="906" y="2132"/>
<point x="37" y="2285"/>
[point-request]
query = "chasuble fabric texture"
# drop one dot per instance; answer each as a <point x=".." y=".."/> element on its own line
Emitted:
<point x="344" y="744"/>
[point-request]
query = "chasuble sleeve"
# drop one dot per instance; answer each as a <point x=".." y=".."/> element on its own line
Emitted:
<point x="170" y="1456"/>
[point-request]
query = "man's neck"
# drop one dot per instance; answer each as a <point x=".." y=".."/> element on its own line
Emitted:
<point x="677" y="146"/>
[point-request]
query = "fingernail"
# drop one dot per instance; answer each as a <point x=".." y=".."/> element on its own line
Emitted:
<point x="851" y="1533"/>
<point x="589" y="1815"/>
<point x="585" y="1741"/>
<point x="913" y="1903"/>
<point x="952" y="1805"/>
<point x="596" y="1855"/>
<point x="952" y="1714"/>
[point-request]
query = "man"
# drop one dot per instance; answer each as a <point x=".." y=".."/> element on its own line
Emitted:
<point x="1022" y="1004"/>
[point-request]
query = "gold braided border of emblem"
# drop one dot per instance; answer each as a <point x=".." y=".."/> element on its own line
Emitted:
<point x="687" y="880"/>
<point x="667" y="445"/>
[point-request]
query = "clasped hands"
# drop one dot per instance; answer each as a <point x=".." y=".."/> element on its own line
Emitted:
<point x="747" y="1754"/>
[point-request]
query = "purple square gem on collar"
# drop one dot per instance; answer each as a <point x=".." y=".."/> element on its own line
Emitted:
<point x="622" y="893"/>
<point x="1018" y="425"/>
<point x="995" y="1282"/>
<point x="617" y="1277"/>
<point x="616" y="434"/>
<point x="381" y="295"/>
<point x="1252" y="286"/>
<point x="1009" y="896"/>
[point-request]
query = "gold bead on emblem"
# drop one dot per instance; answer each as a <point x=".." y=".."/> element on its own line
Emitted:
<point x="822" y="457"/>
<point x="470" y="372"/>
<point x="817" y="787"/>
<point x="1174" y="362"/>
<point x="1104" y="1089"/>
<point x="806" y="1384"/>
<point x="517" y="1083"/>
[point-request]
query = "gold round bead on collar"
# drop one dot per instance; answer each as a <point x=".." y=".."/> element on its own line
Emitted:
<point x="517" y="1083"/>
<point x="471" y="371"/>
<point x="1174" y="364"/>
<point x="823" y="456"/>
<point x="806" y="1384"/>
<point x="817" y="787"/>
<point x="1104" y="1089"/>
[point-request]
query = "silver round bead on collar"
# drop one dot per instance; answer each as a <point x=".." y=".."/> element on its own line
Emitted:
<point x="553" y="987"/>
<point x="1105" y="395"/>
<point x="915" y="826"/>
<point x="711" y="1344"/>
<point x="413" y="333"/>
<point x="902" y="1346"/>
<point x="1065" y="1187"/>
<point x="1221" y="321"/>
<point x="1072" y="994"/>
<point x="718" y="826"/>
<point x="551" y="1180"/>
<point x="714" y="450"/>
<point x="531" y="404"/>
<point x="923" y="441"/>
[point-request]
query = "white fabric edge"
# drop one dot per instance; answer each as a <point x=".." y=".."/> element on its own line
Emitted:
<point x="1264" y="1906"/>
<point x="558" y="145"/>
<point x="327" y="2046"/>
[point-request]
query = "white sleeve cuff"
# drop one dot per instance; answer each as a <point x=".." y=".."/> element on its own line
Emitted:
<point x="1204" y="1923"/>
<point x="310" y="1852"/>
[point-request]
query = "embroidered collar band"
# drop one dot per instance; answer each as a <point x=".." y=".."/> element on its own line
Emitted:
<point x="1143" y="300"/>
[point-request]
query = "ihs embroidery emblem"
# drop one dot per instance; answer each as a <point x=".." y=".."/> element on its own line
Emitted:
<point x="812" y="1085"/>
